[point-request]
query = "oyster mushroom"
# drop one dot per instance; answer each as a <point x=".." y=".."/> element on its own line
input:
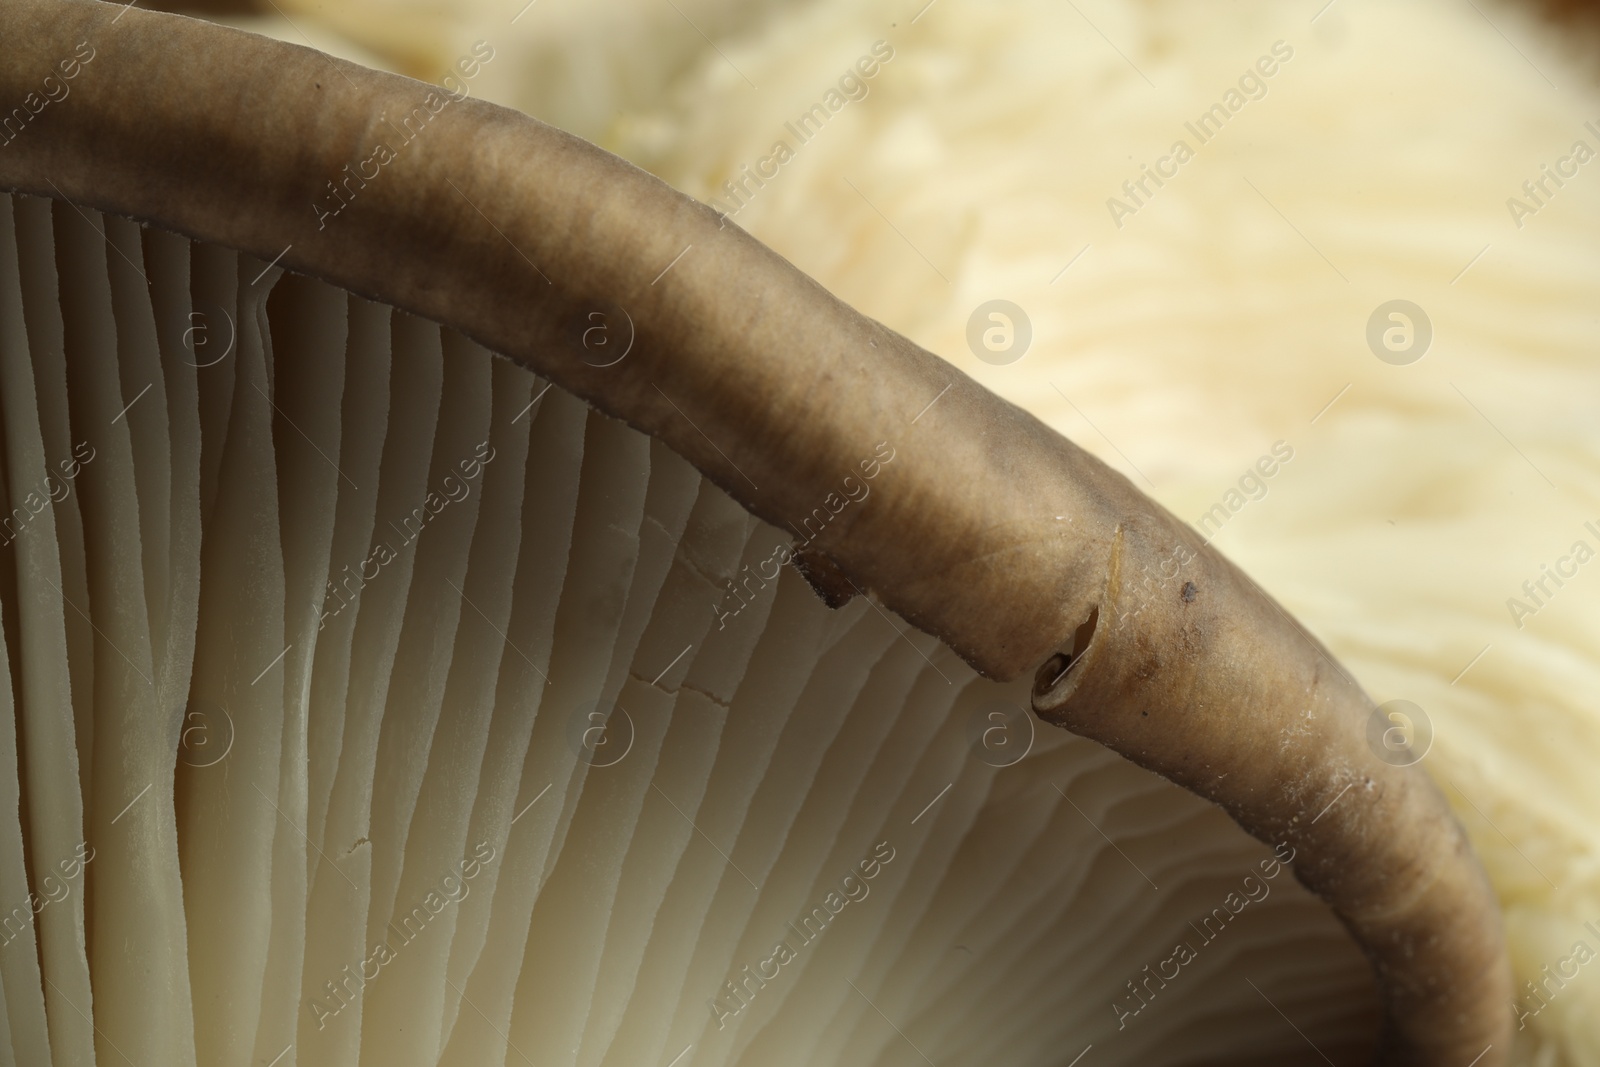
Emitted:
<point x="372" y="763"/>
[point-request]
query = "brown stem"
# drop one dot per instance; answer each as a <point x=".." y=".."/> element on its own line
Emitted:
<point x="986" y="528"/>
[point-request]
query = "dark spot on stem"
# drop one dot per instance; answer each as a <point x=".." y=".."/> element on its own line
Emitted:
<point x="1189" y="592"/>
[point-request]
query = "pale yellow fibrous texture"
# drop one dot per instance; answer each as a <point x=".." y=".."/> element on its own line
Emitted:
<point x="1218" y="315"/>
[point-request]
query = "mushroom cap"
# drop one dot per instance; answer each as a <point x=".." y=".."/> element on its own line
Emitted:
<point x="420" y="713"/>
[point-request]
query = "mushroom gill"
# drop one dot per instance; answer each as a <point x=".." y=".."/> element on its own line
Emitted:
<point x="377" y="702"/>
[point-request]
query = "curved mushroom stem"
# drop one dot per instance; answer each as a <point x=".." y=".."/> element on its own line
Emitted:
<point x="987" y="529"/>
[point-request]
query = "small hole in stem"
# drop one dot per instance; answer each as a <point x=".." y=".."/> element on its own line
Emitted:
<point x="1057" y="667"/>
